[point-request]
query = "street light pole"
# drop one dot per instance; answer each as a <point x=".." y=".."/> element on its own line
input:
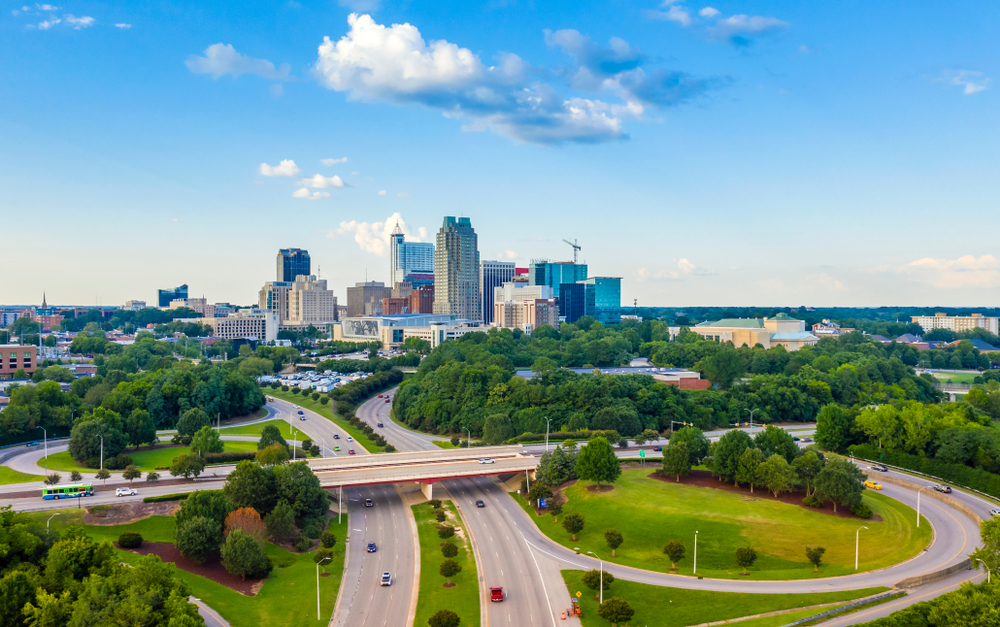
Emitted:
<point x="468" y="443"/>
<point x="317" y="585"/>
<point x="102" y="451"/>
<point x="857" y="545"/>
<point x="918" y="505"/>
<point x="602" y="573"/>
<point x="340" y="503"/>
<point x="548" y="421"/>
<point x="695" y="571"/>
<point x="987" y="570"/>
<point x="46" y="440"/>
<point x="57" y="513"/>
<point x="751" y="412"/>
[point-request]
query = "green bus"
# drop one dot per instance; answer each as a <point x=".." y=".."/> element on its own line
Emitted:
<point x="68" y="491"/>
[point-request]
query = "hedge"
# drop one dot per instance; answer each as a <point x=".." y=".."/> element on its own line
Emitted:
<point x="959" y="474"/>
<point x="130" y="540"/>
<point x="230" y="457"/>
<point x="356" y="391"/>
<point x="166" y="497"/>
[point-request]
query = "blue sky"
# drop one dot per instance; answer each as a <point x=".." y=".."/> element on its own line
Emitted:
<point x="743" y="153"/>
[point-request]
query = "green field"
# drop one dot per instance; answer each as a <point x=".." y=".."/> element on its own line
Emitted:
<point x="144" y="459"/>
<point x="288" y="598"/>
<point x="327" y="412"/>
<point x="8" y="476"/>
<point x="956" y="377"/>
<point x="257" y="427"/>
<point x="463" y="598"/>
<point x="649" y="513"/>
<point x="657" y="606"/>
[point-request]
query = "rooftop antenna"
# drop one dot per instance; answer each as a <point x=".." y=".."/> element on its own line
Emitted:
<point x="576" y="248"/>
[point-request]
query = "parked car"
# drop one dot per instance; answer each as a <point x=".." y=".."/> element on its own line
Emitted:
<point x="873" y="485"/>
<point x="480" y="504"/>
<point x="372" y="548"/>
<point x="878" y="467"/>
<point x="350" y="452"/>
<point x="126" y="492"/>
<point x="368" y="503"/>
<point x="496" y="594"/>
<point x="943" y="488"/>
<point x="386" y="579"/>
<point x="486" y="460"/>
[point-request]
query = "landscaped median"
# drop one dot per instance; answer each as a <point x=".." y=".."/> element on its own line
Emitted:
<point x="649" y="513"/>
<point x="657" y="606"/>
<point x="9" y="476"/>
<point x="462" y="595"/>
<point x="327" y="412"/>
<point x="144" y="458"/>
<point x="254" y="429"/>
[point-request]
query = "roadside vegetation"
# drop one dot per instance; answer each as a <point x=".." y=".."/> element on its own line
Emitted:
<point x="9" y="476"/>
<point x="325" y="410"/>
<point x="462" y="596"/>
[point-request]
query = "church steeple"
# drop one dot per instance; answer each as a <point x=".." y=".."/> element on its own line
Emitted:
<point x="44" y="305"/>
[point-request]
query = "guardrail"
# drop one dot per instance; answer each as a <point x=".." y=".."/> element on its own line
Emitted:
<point x="850" y="606"/>
<point x="937" y="479"/>
<point x="18" y="449"/>
<point x="956" y="386"/>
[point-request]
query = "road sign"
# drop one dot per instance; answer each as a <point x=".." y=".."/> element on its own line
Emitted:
<point x="578" y="594"/>
<point x="642" y="453"/>
<point x="542" y="504"/>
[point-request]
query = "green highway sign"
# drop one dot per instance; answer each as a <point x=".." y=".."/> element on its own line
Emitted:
<point x="642" y="453"/>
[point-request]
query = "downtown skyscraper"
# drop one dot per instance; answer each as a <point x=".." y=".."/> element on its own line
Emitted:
<point x="456" y="270"/>
<point x="493" y="274"/>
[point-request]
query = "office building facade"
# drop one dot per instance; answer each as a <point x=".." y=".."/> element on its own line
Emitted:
<point x="493" y="274"/>
<point x="406" y="258"/>
<point x="274" y="297"/>
<point x="603" y="296"/>
<point x="291" y="263"/>
<point x="14" y="357"/>
<point x="572" y="301"/>
<point x="163" y="297"/>
<point x="456" y="270"/>
<point x="310" y="302"/>
<point x="365" y="299"/>
<point x="252" y="324"/>
<point x="555" y="273"/>
<point x="958" y="323"/>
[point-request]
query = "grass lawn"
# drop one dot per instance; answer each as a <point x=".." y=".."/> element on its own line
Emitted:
<point x="656" y="606"/>
<point x="9" y="475"/>
<point x="463" y="598"/>
<point x="255" y="429"/>
<point x="956" y="377"/>
<point x="145" y="460"/>
<point x="327" y="412"/>
<point x="649" y="513"/>
<point x="444" y="444"/>
<point x="287" y="598"/>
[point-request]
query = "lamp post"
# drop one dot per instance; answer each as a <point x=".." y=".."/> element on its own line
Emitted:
<point x="317" y="584"/>
<point x="987" y="570"/>
<point x="695" y="571"/>
<point x="548" y="421"/>
<point x="918" y="504"/>
<point x="45" y="438"/>
<point x="468" y="443"/>
<point x="102" y="451"/>
<point x="602" y="573"/>
<point x="751" y="412"/>
<point x="57" y="513"/>
<point x="857" y="545"/>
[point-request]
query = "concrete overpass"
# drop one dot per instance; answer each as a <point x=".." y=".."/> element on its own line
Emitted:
<point x="423" y="467"/>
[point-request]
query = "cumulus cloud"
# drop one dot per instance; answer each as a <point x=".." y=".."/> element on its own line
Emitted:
<point x="322" y="182"/>
<point x="708" y="12"/>
<point x="683" y="267"/>
<point x="674" y="13"/>
<point x="382" y="193"/>
<point x="287" y="167"/>
<point x="964" y="272"/>
<point x="47" y="24"/>
<point x="373" y="237"/>
<point x="44" y="7"/>
<point x="333" y="161"/>
<point x="403" y="195"/>
<point x="970" y="81"/>
<point x="305" y="193"/>
<point x="123" y="26"/>
<point x="508" y="254"/>
<point x="221" y="59"/>
<point x="738" y="30"/>
<point x="80" y="22"/>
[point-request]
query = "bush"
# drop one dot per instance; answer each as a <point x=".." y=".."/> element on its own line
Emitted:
<point x="130" y="540"/>
<point x="307" y="443"/>
<point x="389" y="448"/>
<point x="455" y="441"/>
<point x="324" y="400"/>
<point x="435" y="503"/>
<point x="328" y="539"/>
<point x="281" y="521"/>
<point x="296" y="390"/>
<point x="813" y="501"/>
<point x="446" y="532"/>
<point x="302" y="543"/>
<point x="166" y="497"/>
<point x="92" y="462"/>
<point x="118" y="462"/>
<point x="75" y="476"/>
<point x="960" y="474"/>
<point x="448" y="549"/>
<point x="199" y="537"/>
<point x="284" y="388"/>
<point x="440" y="516"/>
<point x="184" y="440"/>
<point x="244" y="556"/>
<point x="314" y="450"/>
<point x="861" y="510"/>
<point x="52" y="479"/>
<point x="314" y="396"/>
<point x="312" y="528"/>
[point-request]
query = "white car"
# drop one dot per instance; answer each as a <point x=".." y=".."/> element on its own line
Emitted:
<point x="350" y="439"/>
<point x="995" y="512"/>
<point x="126" y="492"/>
<point x="386" y="579"/>
<point x="486" y="460"/>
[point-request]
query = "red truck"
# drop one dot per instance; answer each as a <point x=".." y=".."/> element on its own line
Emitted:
<point x="496" y="594"/>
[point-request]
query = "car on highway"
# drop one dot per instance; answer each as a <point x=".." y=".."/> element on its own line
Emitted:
<point x="806" y="440"/>
<point x="480" y="504"/>
<point x="300" y="412"/>
<point x="380" y="396"/>
<point x="388" y="400"/>
<point x="380" y="425"/>
<point x="336" y="436"/>
<point x="795" y="438"/>
<point x="372" y="548"/>
<point x="126" y="492"/>
<point x="486" y="460"/>
<point x="33" y="443"/>
<point x="350" y="452"/>
<point x="496" y="594"/>
<point x="995" y="512"/>
<point x="301" y="417"/>
<point x="657" y="448"/>
<point x="386" y="579"/>
<point x="336" y="449"/>
<point x="350" y="439"/>
<point x="878" y="467"/>
<point x="873" y="485"/>
<point x="943" y="488"/>
<point x="368" y="503"/>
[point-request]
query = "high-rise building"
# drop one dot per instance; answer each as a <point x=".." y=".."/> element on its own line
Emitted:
<point x="572" y="301"/>
<point x="456" y="270"/>
<point x="164" y="297"/>
<point x="365" y="299"/>
<point x="274" y="297"/>
<point x="555" y="273"/>
<point x="293" y="262"/>
<point x="520" y="306"/>
<point x="422" y="300"/>
<point x="310" y="302"/>
<point x="493" y="274"/>
<point x="408" y="257"/>
<point x="604" y="298"/>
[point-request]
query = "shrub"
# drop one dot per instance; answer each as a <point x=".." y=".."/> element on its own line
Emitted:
<point x="165" y="497"/>
<point x="52" y="479"/>
<point x="314" y="450"/>
<point x="75" y="476"/>
<point x="448" y="549"/>
<point x="446" y="532"/>
<point x="861" y="510"/>
<point x="295" y="390"/>
<point x="92" y="462"/>
<point x="314" y="396"/>
<point x="455" y="441"/>
<point x="312" y="528"/>
<point x="284" y="388"/>
<point x="435" y="503"/>
<point x="302" y="543"/>
<point x="389" y="448"/>
<point x="324" y="400"/>
<point x="307" y="443"/>
<point x="440" y="515"/>
<point x="281" y="521"/>
<point x="247" y="520"/>
<point x="230" y="457"/>
<point x="244" y="556"/>
<point x="130" y="540"/>
<point x="199" y="537"/>
<point x="118" y="462"/>
<point x="328" y="539"/>
<point x="184" y="440"/>
<point x="813" y="500"/>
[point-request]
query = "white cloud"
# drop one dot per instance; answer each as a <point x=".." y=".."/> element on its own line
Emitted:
<point x="80" y="22"/>
<point x="47" y="24"/>
<point x="966" y="271"/>
<point x="687" y="267"/>
<point x="806" y="50"/>
<point x="322" y="182"/>
<point x="14" y="12"/>
<point x="970" y="81"/>
<point x="374" y="237"/>
<point x="221" y="59"/>
<point x="684" y="266"/>
<point x="175" y="219"/>
<point x="44" y="7"/>
<point x="333" y="161"/>
<point x="509" y="254"/>
<point x="305" y="193"/>
<point x="382" y="193"/>
<point x="673" y="14"/>
<point x="123" y="26"/>
<point x="708" y="12"/>
<point x="287" y="167"/>
<point x="738" y="30"/>
<point x="277" y="90"/>
<point x="361" y="5"/>
<point x="403" y="195"/>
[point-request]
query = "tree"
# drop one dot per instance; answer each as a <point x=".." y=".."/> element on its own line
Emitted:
<point x="449" y="568"/>
<point x="198" y="538"/>
<point x="269" y="435"/>
<point x="448" y="549"/>
<point x="597" y="462"/>
<point x="152" y="477"/>
<point x="881" y="424"/>
<point x="677" y="459"/>
<point x="322" y="556"/>
<point x="776" y="440"/>
<point x="724" y="367"/>
<point x="593" y="580"/>
<point x="140" y="428"/>
<point x="745" y="557"/>
<point x="85" y="437"/>
<point x="842" y="482"/>
<point x="616" y="610"/>
<point x="497" y="429"/>
<point x="131" y="473"/>
<point x="188" y="466"/>
<point x="247" y="520"/>
<point x="244" y="556"/>
<point x="206" y="440"/>
<point x="52" y="479"/>
<point x="539" y="491"/>
<point x="274" y="455"/>
<point x="989" y="531"/>
<point x="748" y="468"/>
<point x="674" y="551"/>
<point x="250" y="485"/>
<point x="815" y="557"/>
<point x="75" y="476"/>
<point x="557" y="466"/>
<point x="445" y="532"/>
<point x="833" y="426"/>
<point x="297" y="484"/>
<point x="573" y="523"/>
<point x="696" y="441"/>
<point x="807" y="466"/>
<point x="192" y="421"/>
<point x="280" y="522"/>
<point x="443" y="618"/>
<point x="727" y="452"/>
<point x="776" y="475"/>
<point x="328" y="539"/>
<point x="104" y="474"/>
<point x="648" y="435"/>
<point x="614" y="539"/>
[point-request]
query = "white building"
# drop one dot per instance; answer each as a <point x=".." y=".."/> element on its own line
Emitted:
<point x="957" y="323"/>
<point x="274" y="297"/>
<point x="392" y="331"/>
<point x="254" y="324"/>
<point x="134" y="305"/>
<point x="408" y="257"/>
<point x="310" y="302"/>
<point x="198" y="305"/>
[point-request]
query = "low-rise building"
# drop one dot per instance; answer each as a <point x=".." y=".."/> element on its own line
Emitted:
<point x="134" y="305"/>
<point x="684" y="379"/>
<point x="14" y="357"/>
<point x="828" y="328"/>
<point x="942" y="320"/>
<point x="255" y="324"/>
<point x="780" y="330"/>
<point x="392" y="331"/>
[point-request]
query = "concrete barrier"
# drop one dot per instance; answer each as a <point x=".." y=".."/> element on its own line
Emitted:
<point x="938" y="575"/>
<point x="934" y="494"/>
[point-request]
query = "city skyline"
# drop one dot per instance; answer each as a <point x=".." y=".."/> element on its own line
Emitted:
<point x="725" y="154"/>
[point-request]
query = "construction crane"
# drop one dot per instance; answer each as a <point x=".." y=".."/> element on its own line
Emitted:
<point x="576" y="248"/>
